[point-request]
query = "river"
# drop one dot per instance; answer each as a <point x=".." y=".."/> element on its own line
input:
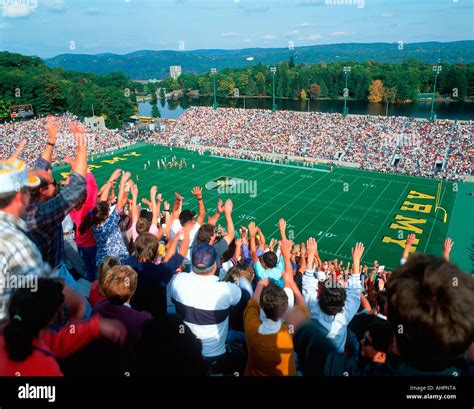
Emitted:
<point x="421" y="109"/>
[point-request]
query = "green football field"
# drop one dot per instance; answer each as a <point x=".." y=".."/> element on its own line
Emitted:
<point x="338" y="208"/>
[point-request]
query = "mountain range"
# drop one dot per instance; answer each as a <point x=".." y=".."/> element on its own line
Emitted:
<point x="147" y="64"/>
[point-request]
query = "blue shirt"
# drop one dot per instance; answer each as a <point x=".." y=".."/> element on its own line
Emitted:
<point x="274" y="274"/>
<point x="110" y="240"/>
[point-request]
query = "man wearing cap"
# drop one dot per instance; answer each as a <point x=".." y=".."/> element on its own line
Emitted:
<point x="19" y="256"/>
<point x="49" y="206"/>
<point x="203" y="303"/>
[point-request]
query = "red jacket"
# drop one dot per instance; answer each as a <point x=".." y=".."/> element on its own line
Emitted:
<point x="48" y="346"/>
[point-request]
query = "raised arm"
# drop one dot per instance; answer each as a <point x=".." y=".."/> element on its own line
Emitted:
<point x="177" y="206"/>
<point x="262" y="238"/>
<point x="253" y="246"/>
<point x="135" y="206"/>
<point x="215" y="217"/>
<point x="105" y="189"/>
<point x="80" y="163"/>
<point x="406" y="251"/>
<point x="122" y="196"/>
<point x="197" y="191"/>
<point x="53" y="130"/>
<point x="288" y="275"/>
<point x="282" y="227"/>
<point x="228" y="206"/>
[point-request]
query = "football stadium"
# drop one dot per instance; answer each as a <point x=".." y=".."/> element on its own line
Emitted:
<point x="273" y="197"/>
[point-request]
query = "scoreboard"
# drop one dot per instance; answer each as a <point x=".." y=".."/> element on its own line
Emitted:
<point x="21" y="111"/>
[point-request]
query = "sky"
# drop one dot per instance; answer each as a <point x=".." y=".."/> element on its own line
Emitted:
<point x="47" y="28"/>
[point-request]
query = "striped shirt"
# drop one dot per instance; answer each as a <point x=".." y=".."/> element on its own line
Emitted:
<point x="19" y="257"/>
<point x="203" y="303"/>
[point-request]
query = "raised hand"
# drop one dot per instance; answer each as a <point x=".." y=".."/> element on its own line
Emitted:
<point x="18" y="150"/>
<point x="134" y="190"/>
<point x="166" y="206"/>
<point x="228" y="206"/>
<point x="153" y="191"/>
<point x="197" y="191"/>
<point x="238" y="242"/>
<point x="357" y="252"/>
<point x="125" y="178"/>
<point x="303" y="250"/>
<point x="53" y="128"/>
<point x="115" y="175"/>
<point x="79" y="132"/>
<point x="252" y="229"/>
<point x="410" y="240"/>
<point x="311" y="247"/>
<point x="282" y="224"/>
<point x="178" y="196"/>
<point x="220" y="206"/>
<point x="448" y="245"/>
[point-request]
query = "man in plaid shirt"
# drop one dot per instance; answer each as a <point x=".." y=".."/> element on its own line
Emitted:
<point x="21" y="263"/>
<point x="19" y="257"/>
<point x="49" y="206"/>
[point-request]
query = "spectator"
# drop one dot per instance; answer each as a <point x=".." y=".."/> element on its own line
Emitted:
<point x="203" y="303"/>
<point x="96" y="294"/>
<point x="334" y="306"/>
<point x="269" y="341"/>
<point x="119" y="285"/>
<point x="28" y="348"/>
<point x="430" y="304"/>
<point x="20" y="259"/>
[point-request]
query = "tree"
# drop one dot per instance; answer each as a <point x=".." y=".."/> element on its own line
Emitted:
<point x="303" y="95"/>
<point x="376" y="91"/>
<point x="314" y="91"/>
<point x="260" y="81"/>
<point x="291" y="63"/>
<point x="155" y="112"/>
<point x="162" y="93"/>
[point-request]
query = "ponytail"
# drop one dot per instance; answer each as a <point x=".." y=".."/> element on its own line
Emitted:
<point x="96" y="216"/>
<point x="30" y="312"/>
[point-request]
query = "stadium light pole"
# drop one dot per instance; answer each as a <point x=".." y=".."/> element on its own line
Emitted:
<point x="346" y="71"/>
<point x="273" y="71"/>
<point x="436" y="69"/>
<point x="213" y="72"/>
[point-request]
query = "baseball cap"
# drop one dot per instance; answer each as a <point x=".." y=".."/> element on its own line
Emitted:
<point x="203" y="256"/>
<point x="14" y="175"/>
<point x="186" y="215"/>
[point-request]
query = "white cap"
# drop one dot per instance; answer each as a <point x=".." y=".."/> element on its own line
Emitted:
<point x="14" y="176"/>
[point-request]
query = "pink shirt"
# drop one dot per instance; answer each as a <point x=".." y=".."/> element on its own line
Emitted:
<point x="86" y="239"/>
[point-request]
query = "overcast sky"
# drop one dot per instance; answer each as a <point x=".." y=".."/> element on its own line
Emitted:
<point x="50" y="27"/>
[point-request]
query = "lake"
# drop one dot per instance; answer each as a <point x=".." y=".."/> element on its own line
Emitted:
<point x="421" y="109"/>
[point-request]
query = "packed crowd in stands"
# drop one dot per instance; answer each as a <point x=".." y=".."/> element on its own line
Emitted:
<point x="11" y="133"/>
<point x="372" y="142"/>
<point x="170" y="294"/>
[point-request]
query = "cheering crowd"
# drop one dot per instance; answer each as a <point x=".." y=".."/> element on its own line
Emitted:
<point x="372" y="142"/>
<point x="171" y="294"/>
<point x="99" y="140"/>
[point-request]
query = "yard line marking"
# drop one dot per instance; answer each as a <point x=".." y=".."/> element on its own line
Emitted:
<point x="344" y="212"/>
<point x="363" y="217"/>
<point x="299" y="194"/>
<point x="434" y="222"/>
<point x="388" y="215"/>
